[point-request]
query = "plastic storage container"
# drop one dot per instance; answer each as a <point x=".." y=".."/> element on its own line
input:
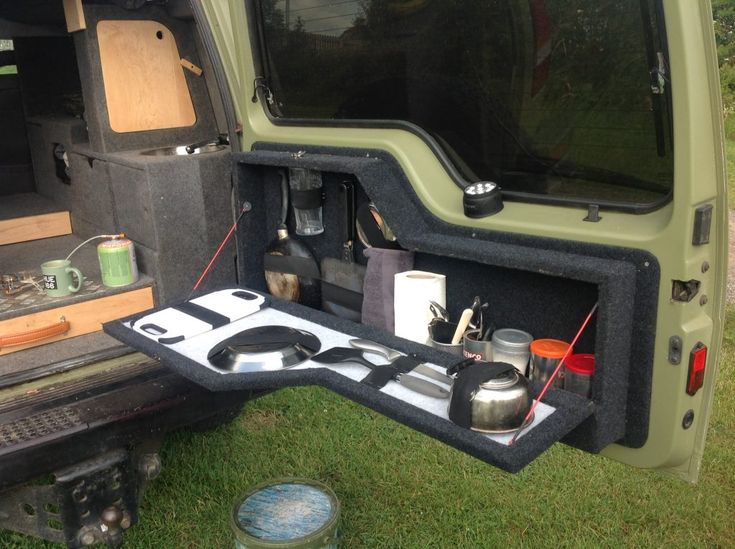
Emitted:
<point x="579" y="370"/>
<point x="545" y="356"/>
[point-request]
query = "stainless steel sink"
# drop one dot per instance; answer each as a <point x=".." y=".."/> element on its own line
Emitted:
<point x="181" y="150"/>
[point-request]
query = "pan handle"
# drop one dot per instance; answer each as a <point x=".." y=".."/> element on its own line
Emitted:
<point x="347" y="189"/>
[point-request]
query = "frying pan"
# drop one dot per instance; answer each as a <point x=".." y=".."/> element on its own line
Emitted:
<point x="263" y="348"/>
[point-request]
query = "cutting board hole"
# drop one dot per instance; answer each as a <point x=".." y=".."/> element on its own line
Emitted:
<point x="159" y="35"/>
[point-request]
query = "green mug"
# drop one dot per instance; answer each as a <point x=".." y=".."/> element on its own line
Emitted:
<point x="57" y="278"/>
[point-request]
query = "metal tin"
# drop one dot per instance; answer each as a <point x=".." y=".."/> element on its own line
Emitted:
<point x="287" y="513"/>
<point x="118" y="266"/>
<point x="477" y="348"/>
<point x="512" y="346"/>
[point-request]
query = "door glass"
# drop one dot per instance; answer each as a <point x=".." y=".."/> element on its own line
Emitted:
<point x="7" y="57"/>
<point x="563" y="98"/>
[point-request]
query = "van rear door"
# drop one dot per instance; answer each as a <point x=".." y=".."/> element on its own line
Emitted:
<point x="602" y="125"/>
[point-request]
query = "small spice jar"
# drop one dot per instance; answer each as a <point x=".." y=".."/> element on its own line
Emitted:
<point x="512" y="346"/>
<point x="545" y="356"/>
<point x="579" y="370"/>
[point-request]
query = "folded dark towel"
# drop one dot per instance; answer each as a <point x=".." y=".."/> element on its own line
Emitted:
<point x="378" y="289"/>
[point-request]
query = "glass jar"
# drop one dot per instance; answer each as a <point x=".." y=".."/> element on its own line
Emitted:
<point x="512" y="346"/>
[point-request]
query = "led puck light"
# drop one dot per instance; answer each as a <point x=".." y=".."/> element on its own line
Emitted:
<point x="482" y="198"/>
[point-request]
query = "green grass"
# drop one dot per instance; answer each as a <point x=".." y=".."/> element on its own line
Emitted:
<point x="401" y="489"/>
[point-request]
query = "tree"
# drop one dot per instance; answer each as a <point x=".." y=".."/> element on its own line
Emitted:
<point x="724" y="21"/>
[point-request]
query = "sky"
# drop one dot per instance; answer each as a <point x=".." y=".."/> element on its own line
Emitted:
<point x="321" y="16"/>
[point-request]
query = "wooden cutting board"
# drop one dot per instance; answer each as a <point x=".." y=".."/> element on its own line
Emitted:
<point x="145" y="86"/>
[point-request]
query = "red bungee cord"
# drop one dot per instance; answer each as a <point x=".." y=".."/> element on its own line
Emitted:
<point x="245" y="208"/>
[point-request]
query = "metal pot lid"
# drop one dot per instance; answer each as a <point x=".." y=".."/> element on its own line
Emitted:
<point x="503" y="381"/>
<point x="512" y="339"/>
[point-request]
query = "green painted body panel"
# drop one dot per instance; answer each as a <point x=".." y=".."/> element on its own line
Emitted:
<point x="699" y="178"/>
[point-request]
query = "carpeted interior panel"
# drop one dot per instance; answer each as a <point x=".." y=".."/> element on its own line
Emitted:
<point x="101" y="136"/>
<point x="133" y="203"/>
<point x="90" y="193"/>
<point x="570" y="409"/>
<point x="550" y="304"/>
<point x="176" y="209"/>
<point x="43" y="134"/>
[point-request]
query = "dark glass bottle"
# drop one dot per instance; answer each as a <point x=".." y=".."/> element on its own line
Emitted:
<point x="291" y="287"/>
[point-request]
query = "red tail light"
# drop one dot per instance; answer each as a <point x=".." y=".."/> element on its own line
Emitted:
<point x="697" y="362"/>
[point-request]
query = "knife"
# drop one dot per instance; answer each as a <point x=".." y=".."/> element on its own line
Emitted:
<point x="392" y="355"/>
<point x="422" y="386"/>
<point x="380" y="374"/>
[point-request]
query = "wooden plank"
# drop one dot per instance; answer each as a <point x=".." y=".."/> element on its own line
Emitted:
<point x="74" y="14"/>
<point x="34" y="227"/>
<point x="85" y="317"/>
<point x="145" y="86"/>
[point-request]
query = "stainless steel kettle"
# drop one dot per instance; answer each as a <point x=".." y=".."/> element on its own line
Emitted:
<point x="490" y="397"/>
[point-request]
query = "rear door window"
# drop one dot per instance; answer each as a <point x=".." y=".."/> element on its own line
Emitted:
<point x="7" y="57"/>
<point x="563" y="100"/>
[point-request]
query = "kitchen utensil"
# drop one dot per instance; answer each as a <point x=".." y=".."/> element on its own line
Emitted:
<point x="58" y="278"/>
<point x="464" y="321"/>
<point x="579" y="370"/>
<point x="393" y="356"/>
<point x="382" y="373"/>
<point x="512" y="346"/>
<point x="490" y="398"/>
<point x="554" y="373"/>
<point x="545" y="357"/>
<point x="306" y="199"/>
<point x="372" y="230"/>
<point x="474" y="347"/>
<point x="376" y="348"/>
<point x="340" y="355"/>
<point x="476" y="319"/>
<point x="343" y="279"/>
<point x="264" y="348"/>
<point x="438" y="311"/>
<point x="291" y="272"/>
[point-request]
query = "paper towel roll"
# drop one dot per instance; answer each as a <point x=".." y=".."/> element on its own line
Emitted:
<point x="413" y="291"/>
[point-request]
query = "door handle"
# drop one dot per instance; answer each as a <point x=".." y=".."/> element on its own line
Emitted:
<point x="37" y="334"/>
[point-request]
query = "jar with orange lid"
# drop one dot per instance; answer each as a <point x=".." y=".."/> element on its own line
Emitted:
<point x="545" y="357"/>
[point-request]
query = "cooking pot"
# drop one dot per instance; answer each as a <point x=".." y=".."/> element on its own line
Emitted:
<point x="490" y="397"/>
